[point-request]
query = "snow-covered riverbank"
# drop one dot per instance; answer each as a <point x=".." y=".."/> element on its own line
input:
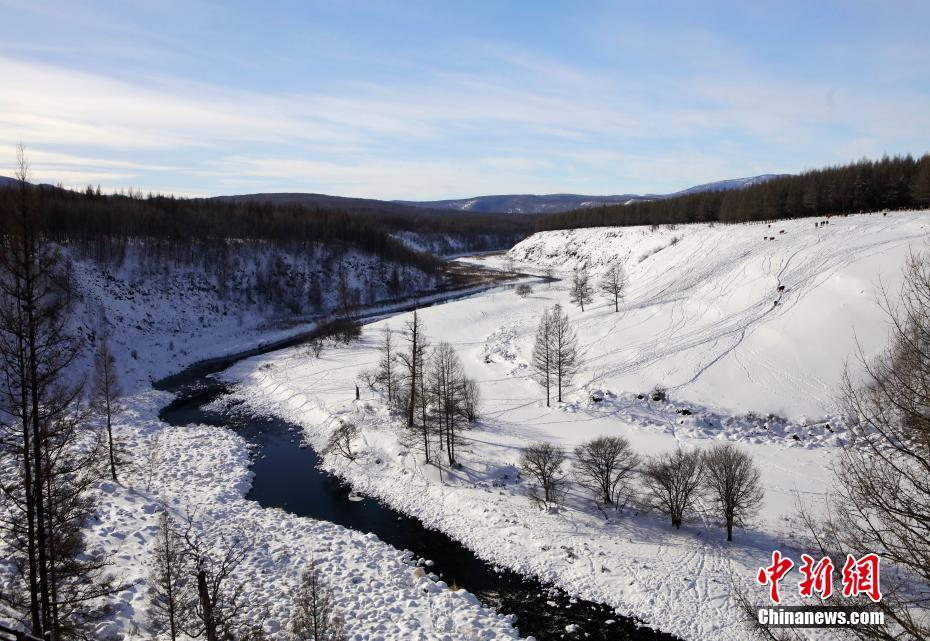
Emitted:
<point x="700" y="319"/>
<point x="203" y="472"/>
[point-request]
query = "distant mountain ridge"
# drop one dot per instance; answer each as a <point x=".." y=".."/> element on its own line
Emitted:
<point x="493" y="204"/>
<point x="557" y="203"/>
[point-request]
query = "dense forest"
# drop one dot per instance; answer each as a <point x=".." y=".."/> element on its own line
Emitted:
<point x="272" y="259"/>
<point x="92" y="222"/>
<point x="441" y="230"/>
<point x="890" y="183"/>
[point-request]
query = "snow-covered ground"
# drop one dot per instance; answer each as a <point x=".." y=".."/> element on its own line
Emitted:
<point x="159" y="322"/>
<point x="203" y="471"/>
<point x="700" y="318"/>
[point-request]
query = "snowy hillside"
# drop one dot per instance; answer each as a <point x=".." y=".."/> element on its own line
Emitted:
<point x="163" y="313"/>
<point x="699" y="318"/>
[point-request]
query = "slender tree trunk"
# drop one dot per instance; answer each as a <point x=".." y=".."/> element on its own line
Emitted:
<point x="206" y="605"/>
<point x="52" y="557"/>
<point x="425" y="417"/>
<point x="169" y="584"/>
<point x="31" y="530"/>
<point x="38" y="440"/>
<point x="29" y="486"/>
<point x="110" y="438"/>
<point x="414" y="355"/>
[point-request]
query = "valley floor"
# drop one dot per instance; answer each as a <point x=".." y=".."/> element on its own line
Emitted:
<point x="702" y="317"/>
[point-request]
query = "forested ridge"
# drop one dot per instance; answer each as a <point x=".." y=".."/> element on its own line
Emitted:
<point x="889" y="183"/>
<point x="87" y="219"/>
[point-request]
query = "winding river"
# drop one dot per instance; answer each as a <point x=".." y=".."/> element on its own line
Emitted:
<point x="288" y="476"/>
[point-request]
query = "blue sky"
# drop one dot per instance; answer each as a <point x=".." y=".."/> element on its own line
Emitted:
<point x="423" y="100"/>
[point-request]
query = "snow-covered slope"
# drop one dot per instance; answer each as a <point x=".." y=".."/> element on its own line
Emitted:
<point x="704" y="317"/>
<point x="699" y="317"/>
<point x="163" y="313"/>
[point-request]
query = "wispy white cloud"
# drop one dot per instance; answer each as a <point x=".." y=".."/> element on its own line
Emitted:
<point x="513" y="118"/>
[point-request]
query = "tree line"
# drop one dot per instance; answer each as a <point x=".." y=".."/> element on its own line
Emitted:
<point x="96" y="221"/>
<point x="672" y="483"/>
<point x="890" y="183"/>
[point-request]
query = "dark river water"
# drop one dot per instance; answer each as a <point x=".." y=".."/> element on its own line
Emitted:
<point x="288" y="476"/>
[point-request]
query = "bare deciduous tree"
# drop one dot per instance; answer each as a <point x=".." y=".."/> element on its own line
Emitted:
<point x="387" y="365"/>
<point x="315" y="615"/>
<point x="564" y="350"/>
<point x="543" y="462"/>
<point x="604" y="465"/>
<point x="448" y="386"/>
<point x="672" y="481"/>
<point x="106" y="399"/>
<point x="733" y="481"/>
<point x="167" y="578"/>
<point x="214" y="607"/>
<point x="413" y="395"/>
<point x="543" y="360"/>
<point x="882" y="498"/>
<point x="46" y="500"/>
<point x="523" y="290"/>
<point x="613" y="284"/>
<point x="341" y="439"/>
<point x="413" y="363"/>
<point x="883" y="472"/>
<point x="581" y="292"/>
<point x="549" y="275"/>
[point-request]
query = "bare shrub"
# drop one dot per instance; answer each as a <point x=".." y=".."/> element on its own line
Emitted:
<point x="543" y="462"/>
<point x="523" y="290"/>
<point x="603" y="466"/>
<point x="732" y="479"/>
<point x="471" y="400"/>
<point x="369" y="378"/>
<point x="672" y="481"/>
<point x="340" y="441"/>
<point x="315" y="346"/>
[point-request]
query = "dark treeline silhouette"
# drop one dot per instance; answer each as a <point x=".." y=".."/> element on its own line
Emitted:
<point x="442" y="230"/>
<point x="890" y="183"/>
<point x="89" y="220"/>
<point x="473" y="232"/>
